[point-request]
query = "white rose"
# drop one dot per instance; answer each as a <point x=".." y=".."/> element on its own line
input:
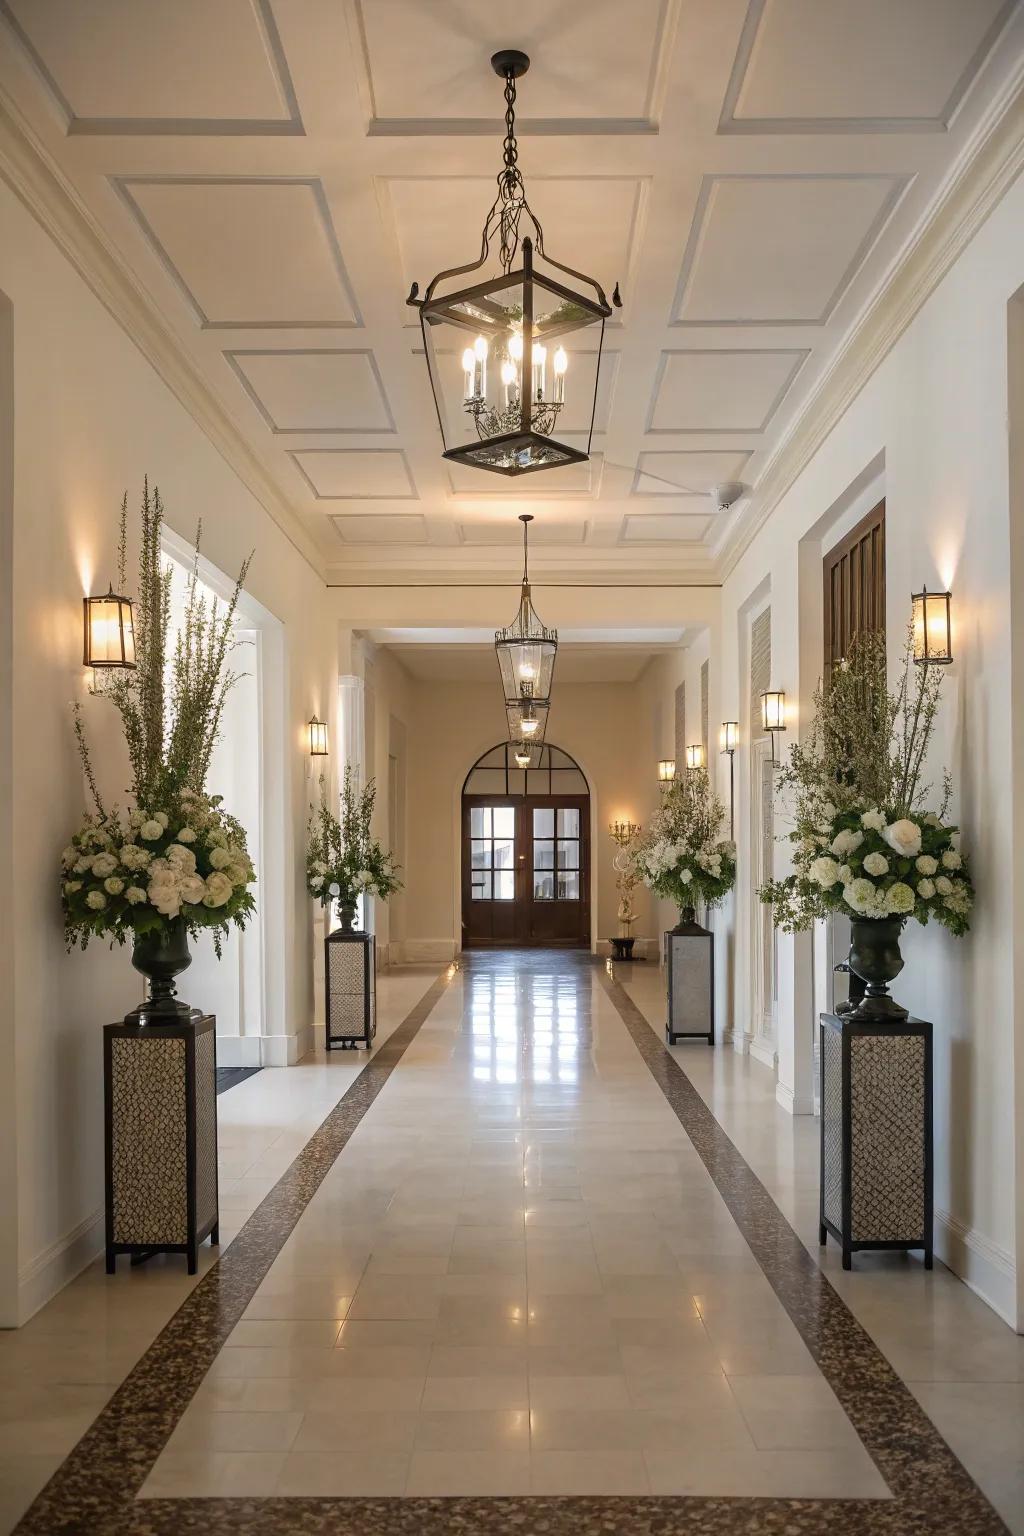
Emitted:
<point x="166" y="897"/>
<point x="859" y="894"/>
<point x="846" y="842"/>
<point x="162" y="873"/>
<point x="925" y="864"/>
<point x="240" y="870"/>
<point x="83" y="866"/>
<point x="192" y="889"/>
<point x="845" y="874"/>
<point x="134" y="857"/>
<point x="71" y="886"/>
<point x="950" y="860"/>
<point x="70" y="855"/>
<point x="334" y="889"/>
<point x="925" y="889"/>
<point x="186" y="835"/>
<point x="151" y="830"/>
<point x="96" y="900"/>
<point x="686" y="876"/>
<point x="103" y="864"/>
<point x="943" y="885"/>
<point x="135" y="894"/>
<point x="930" y="819"/>
<point x="873" y="820"/>
<point x="903" y="837"/>
<point x="824" y="871"/>
<point x="181" y="859"/>
<point x="220" y="858"/>
<point x="114" y="885"/>
<point x="899" y="898"/>
<point x="218" y="890"/>
<point x="876" y="864"/>
<point x="316" y="881"/>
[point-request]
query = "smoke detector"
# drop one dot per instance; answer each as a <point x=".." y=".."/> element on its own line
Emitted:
<point x="725" y="494"/>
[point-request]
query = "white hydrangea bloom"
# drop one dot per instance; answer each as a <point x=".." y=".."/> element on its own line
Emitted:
<point x="151" y="831"/>
<point x="113" y="885"/>
<point x="876" y="864"/>
<point x="899" y="898"/>
<point x="824" y="872"/>
<point x="943" y="885"/>
<point x="135" y="894"/>
<point x="925" y="864"/>
<point x="96" y="900"/>
<point x="926" y="889"/>
<point x="950" y="859"/>
<point x="873" y="820"/>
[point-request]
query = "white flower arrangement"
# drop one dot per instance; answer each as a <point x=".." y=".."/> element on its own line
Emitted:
<point x="683" y="855"/>
<point x="343" y="858"/>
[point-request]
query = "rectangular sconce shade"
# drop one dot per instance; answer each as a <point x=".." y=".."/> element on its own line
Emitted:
<point x="317" y="738"/>
<point x="730" y="735"/>
<point x="109" y="633"/>
<point x="773" y="711"/>
<point x="666" y="770"/>
<point x="695" y="756"/>
<point x="932" y="627"/>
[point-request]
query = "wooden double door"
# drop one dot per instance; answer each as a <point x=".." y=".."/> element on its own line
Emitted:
<point x="526" y="871"/>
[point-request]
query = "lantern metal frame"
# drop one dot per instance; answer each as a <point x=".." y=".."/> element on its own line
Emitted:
<point x="125" y="623"/>
<point x="515" y="440"/>
<point x="730" y="738"/>
<point x="666" y="770"/>
<point x="317" y="737"/>
<point x="779" y="716"/>
<point x="694" y="756"/>
<point x="527" y="699"/>
<point x="921" y="604"/>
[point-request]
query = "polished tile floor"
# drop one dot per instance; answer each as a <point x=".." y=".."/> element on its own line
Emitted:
<point x="517" y="1278"/>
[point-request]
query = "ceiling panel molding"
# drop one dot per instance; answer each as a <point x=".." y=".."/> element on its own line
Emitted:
<point x="310" y="368"/>
<point x="723" y="379"/>
<point x="380" y="528"/>
<point x="355" y="474"/>
<point x="296" y="222"/>
<point x="755" y="44"/>
<point x="991" y="165"/>
<point x="394" y="64"/>
<point x="663" y="527"/>
<point x="686" y="471"/>
<point x="267" y="48"/>
<point x="509" y="533"/>
<point x="782" y="242"/>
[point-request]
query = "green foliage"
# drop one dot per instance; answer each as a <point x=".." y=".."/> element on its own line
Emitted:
<point x="343" y="858"/>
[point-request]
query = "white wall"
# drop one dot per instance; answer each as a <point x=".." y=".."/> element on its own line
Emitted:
<point x="931" y="428"/>
<point x="91" y="418"/>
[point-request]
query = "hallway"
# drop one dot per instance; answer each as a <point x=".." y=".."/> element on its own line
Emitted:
<point x="518" y="1258"/>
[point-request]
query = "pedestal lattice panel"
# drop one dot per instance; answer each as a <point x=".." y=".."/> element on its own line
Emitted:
<point x="351" y="989"/>
<point x="691" y="985"/>
<point x="876" y="1134"/>
<point x="160" y="1102"/>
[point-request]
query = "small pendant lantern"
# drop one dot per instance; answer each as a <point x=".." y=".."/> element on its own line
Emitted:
<point x="526" y="652"/>
<point x="499" y="350"/>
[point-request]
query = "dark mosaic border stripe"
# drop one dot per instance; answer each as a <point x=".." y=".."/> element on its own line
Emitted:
<point x="94" y="1490"/>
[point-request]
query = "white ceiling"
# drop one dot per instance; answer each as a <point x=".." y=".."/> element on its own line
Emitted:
<point x="275" y="173"/>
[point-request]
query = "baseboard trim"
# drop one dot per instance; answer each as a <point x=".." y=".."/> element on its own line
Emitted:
<point x="284" y="1050"/>
<point x="740" y="1042"/>
<point x="422" y="952"/>
<point x="767" y="1055"/>
<point x="982" y="1265"/>
<point x="239" y="1051"/>
<point x="46" y="1274"/>
<point x="792" y="1103"/>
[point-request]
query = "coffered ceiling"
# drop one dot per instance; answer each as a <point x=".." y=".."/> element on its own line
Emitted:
<point x="274" y="174"/>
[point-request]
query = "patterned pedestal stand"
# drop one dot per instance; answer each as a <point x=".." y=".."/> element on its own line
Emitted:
<point x="160" y="1111"/>
<point x="876" y="1134"/>
<point x="350" y="989"/>
<point x="690" y="954"/>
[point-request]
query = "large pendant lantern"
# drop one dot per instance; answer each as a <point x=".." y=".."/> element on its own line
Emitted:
<point x="500" y="351"/>
<point x="526" y="652"/>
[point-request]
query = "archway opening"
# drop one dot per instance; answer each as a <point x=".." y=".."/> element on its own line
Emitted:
<point x="526" y="851"/>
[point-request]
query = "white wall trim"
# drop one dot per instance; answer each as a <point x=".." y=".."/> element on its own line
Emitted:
<point x="51" y="199"/>
<point x="765" y="1053"/>
<point x="791" y="1102"/>
<point x="46" y="1274"/>
<point x="239" y="1051"/>
<point x="975" y="185"/>
<point x="982" y="1265"/>
<point x="284" y="1050"/>
<point x="422" y="951"/>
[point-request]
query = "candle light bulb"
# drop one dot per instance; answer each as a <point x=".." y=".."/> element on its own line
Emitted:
<point x="515" y="346"/>
<point x="561" y="364"/>
<point x="480" y="347"/>
<point x="469" y="372"/>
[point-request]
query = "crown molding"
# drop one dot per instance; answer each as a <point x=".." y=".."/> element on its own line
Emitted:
<point x="30" y="171"/>
<point x="985" y="172"/>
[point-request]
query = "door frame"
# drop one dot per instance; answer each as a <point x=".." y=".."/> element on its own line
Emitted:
<point x="523" y="865"/>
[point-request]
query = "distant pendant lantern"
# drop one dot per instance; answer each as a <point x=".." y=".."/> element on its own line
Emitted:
<point x="109" y="632"/>
<point x="526" y="652"/>
<point x="496" y="349"/>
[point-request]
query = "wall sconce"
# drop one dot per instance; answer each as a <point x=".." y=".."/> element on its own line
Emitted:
<point x="623" y="832"/>
<point x="317" y="737"/>
<point x="773" y="715"/>
<point x="932" y="627"/>
<point x="695" y="756"/>
<point x="730" y="738"/>
<point x="666" y="770"/>
<point x="108" y="632"/>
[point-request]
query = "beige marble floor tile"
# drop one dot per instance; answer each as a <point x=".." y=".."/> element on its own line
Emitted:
<point x="608" y="1472"/>
<point x="469" y="1430"/>
<point x="213" y="1474"/>
<point x="475" y="1393"/>
<point x="468" y="1473"/>
<point x="728" y="1473"/>
<point x="551" y="1393"/>
<point x="205" y="1429"/>
<point x="343" y="1474"/>
<point x="286" y="1334"/>
<point x="384" y="1430"/>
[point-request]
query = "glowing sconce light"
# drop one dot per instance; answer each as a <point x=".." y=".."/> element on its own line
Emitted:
<point x="666" y="770"/>
<point x="773" y="715"/>
<point x="932" y="627"/>
<point x="317" y="738"/>
<point x="109" y="633"/>
<point x="695" y="756"/>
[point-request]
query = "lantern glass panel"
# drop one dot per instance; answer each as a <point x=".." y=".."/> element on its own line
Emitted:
<point x="502" y="387"/>
<point x="773" y="711"/>
<point x="527" y="720"/>
<point x="931" y="627"/>
<point x="730" y="735"/>
<point x="109" y="632"/>
<point x="666" y="770"/>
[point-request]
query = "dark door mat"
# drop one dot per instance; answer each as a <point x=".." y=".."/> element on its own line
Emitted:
<point x="227" y="1077"/>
